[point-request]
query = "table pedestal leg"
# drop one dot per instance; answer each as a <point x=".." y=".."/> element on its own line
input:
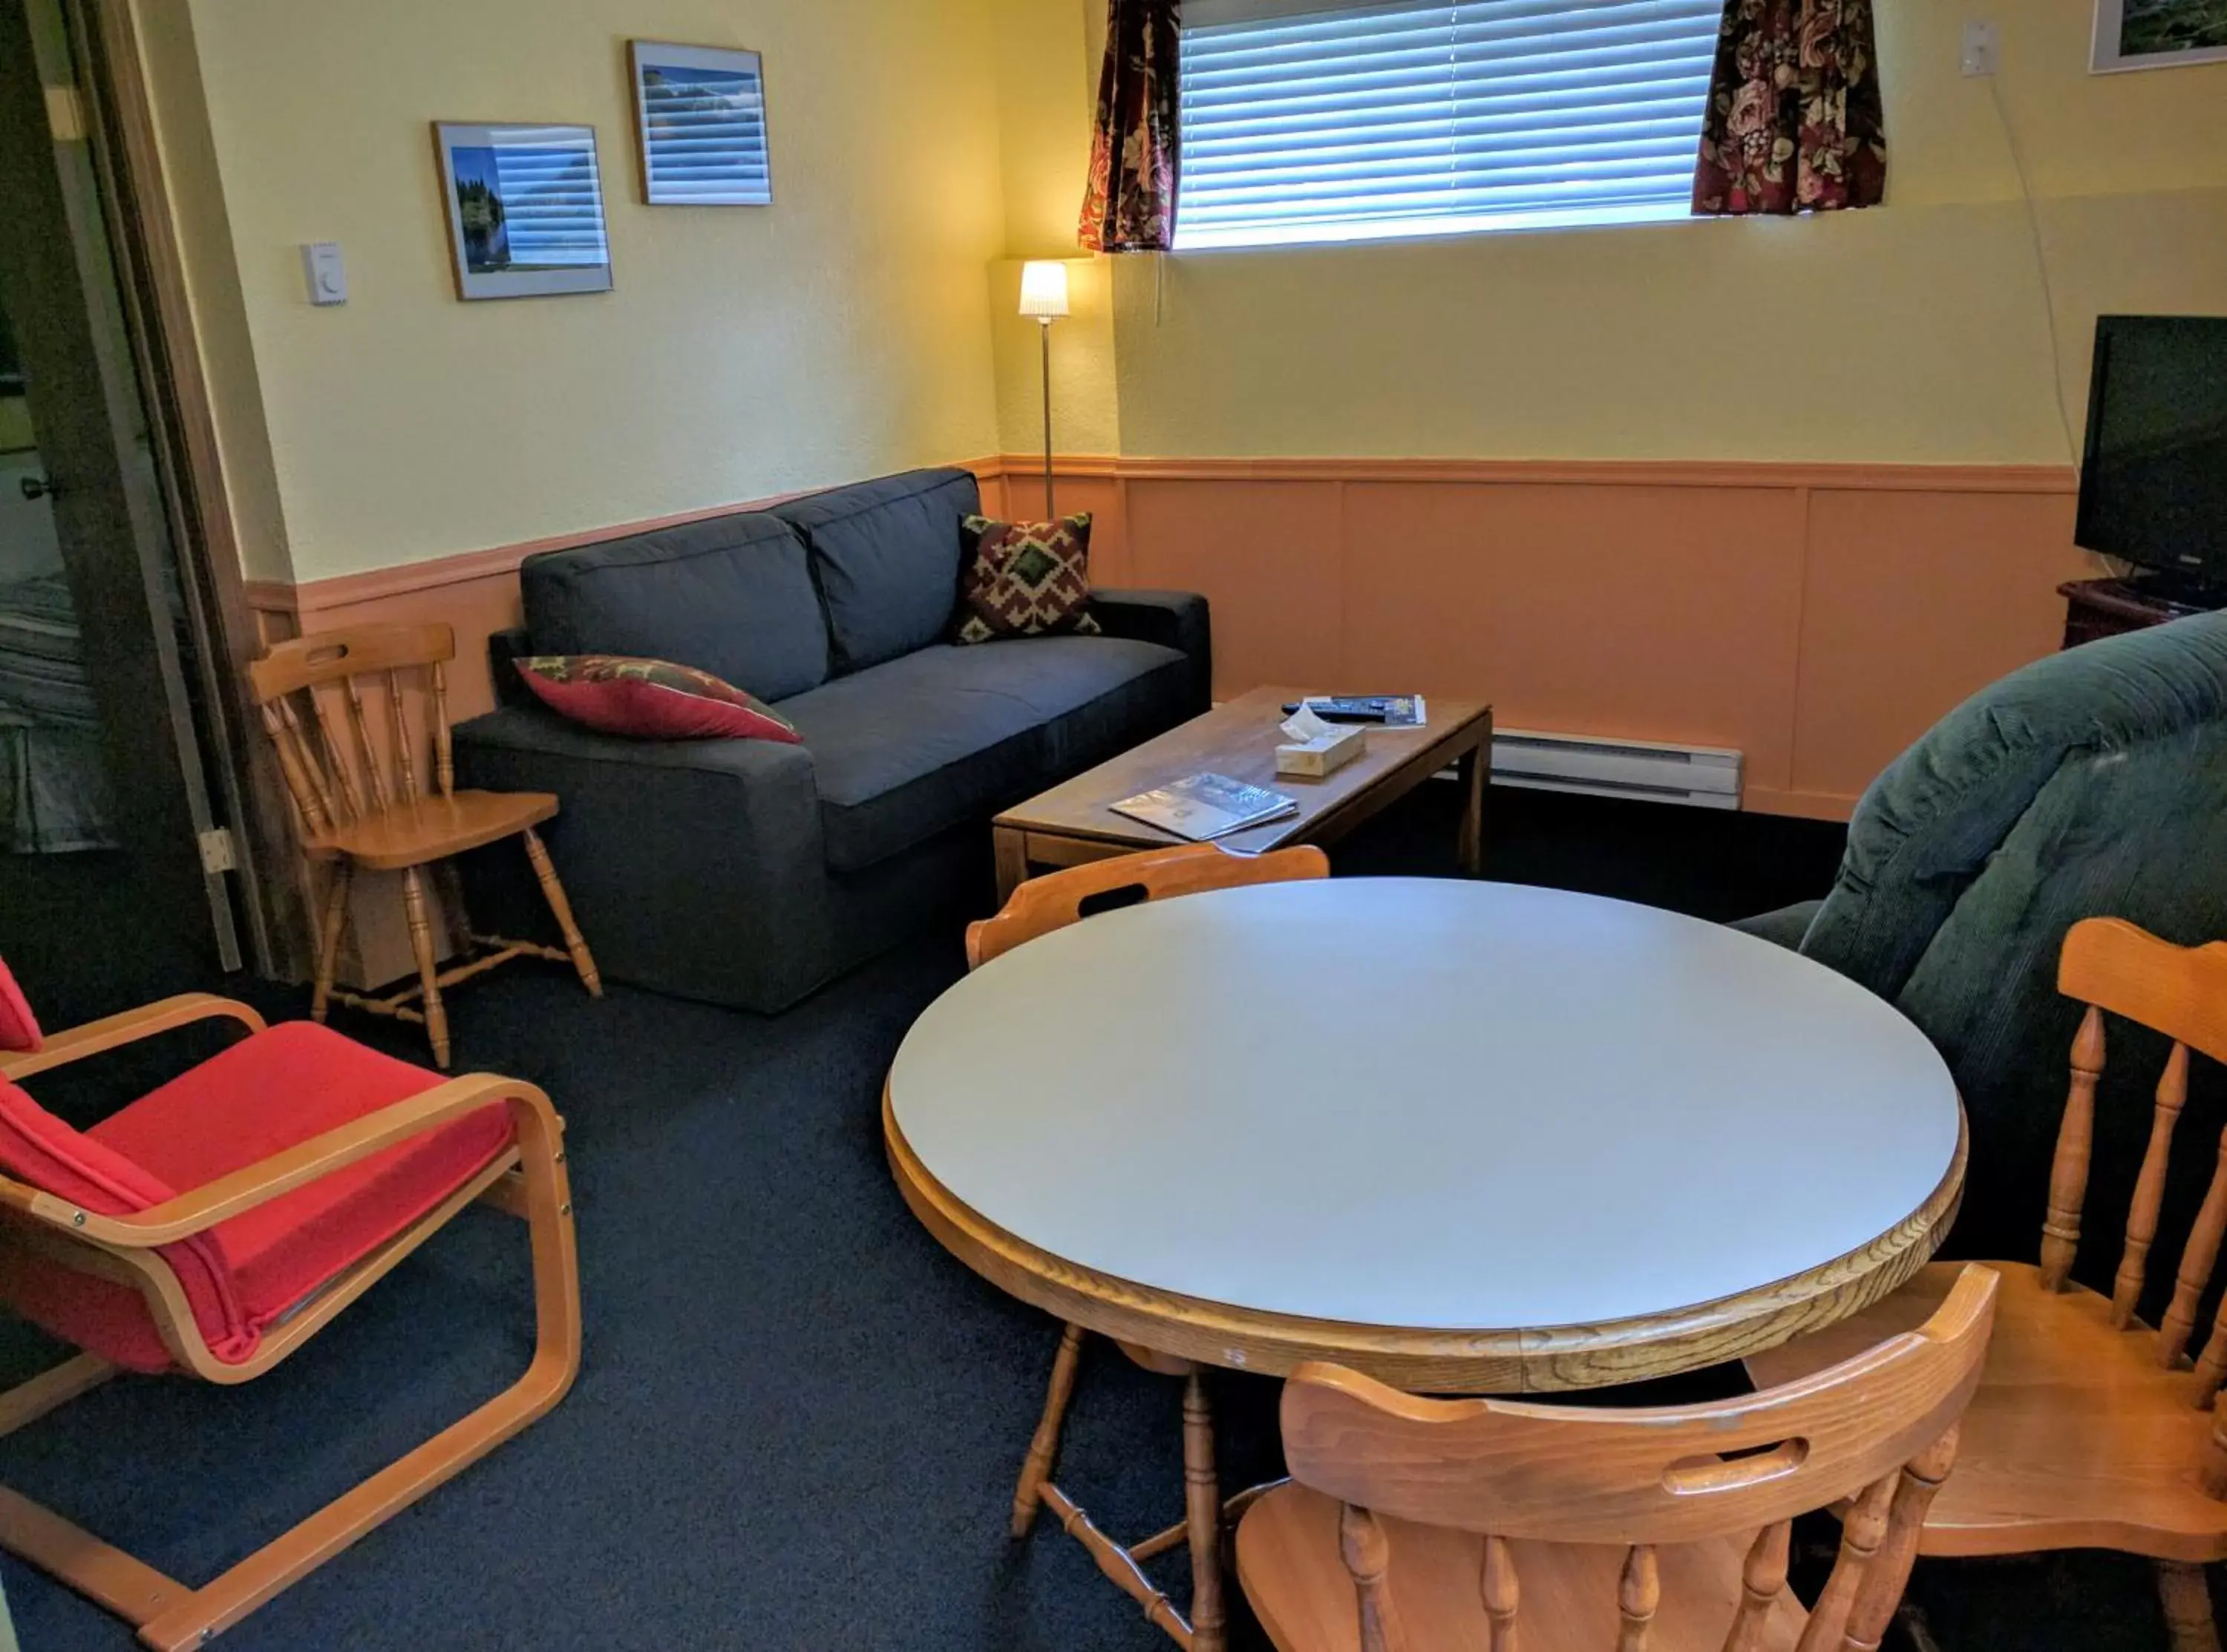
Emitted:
<point x="1202" y="1514"/>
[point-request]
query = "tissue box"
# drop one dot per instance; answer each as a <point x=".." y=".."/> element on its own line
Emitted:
<point x="1325" y="754"/>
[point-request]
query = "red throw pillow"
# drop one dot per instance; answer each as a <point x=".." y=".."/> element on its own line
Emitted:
<point x="1025" y="579"/>
<point x="651" y="700"/>
<point x="19" y="1028"/>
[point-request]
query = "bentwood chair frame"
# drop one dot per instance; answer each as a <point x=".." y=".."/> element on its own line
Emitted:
<point x="2089" y="1429"/>
<point x="1608" y="1517"/>
<point x="1037" y="908"/>
<point x="529" y="1180"/>
<point x="359" y="803"/>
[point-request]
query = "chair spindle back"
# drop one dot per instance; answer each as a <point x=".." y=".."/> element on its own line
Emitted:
<point x="336" y="782"/>
<point x="1057" y="899"/>
<point x="2110" y="965"/>
<point x="1879" y="1429"/>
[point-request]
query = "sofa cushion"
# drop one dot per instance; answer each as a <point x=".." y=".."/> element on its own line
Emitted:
<point x="945" y="735"/>
<point x="730" y="595"/>
<point x="886" y="556"/>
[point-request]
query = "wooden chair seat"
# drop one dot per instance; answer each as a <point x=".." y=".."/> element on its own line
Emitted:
<point x="2076" y="1437"/>
<point x="428" y="829"/>
<point x="1288" y="1561"/>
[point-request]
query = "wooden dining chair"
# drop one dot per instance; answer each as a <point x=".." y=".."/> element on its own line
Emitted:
<point x="2089" y="1429"/>
<point x="1057" y="899"/>
<point x="214" y="1225"/>
<point x="1415" y="1525"/>
<point x="360" y="804"/>
<point x="1037" y="908"/>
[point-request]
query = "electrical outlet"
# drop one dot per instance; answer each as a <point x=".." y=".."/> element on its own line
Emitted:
<point x="1983" y="49"/>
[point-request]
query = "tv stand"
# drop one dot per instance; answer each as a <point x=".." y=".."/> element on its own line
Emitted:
<point x="2104" y="608"/>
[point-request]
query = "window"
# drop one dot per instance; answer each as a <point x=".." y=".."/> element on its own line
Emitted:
<point x="1304" y="120"/>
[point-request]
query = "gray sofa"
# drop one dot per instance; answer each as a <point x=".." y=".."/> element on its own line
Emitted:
<point x="2091" y="783"/>
<point x="748" y="873"/>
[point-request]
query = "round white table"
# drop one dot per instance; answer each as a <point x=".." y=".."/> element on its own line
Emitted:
<point x="1461" y="1135"/>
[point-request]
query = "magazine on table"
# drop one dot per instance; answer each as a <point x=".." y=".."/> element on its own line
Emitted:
<point x="1205" y="806"/>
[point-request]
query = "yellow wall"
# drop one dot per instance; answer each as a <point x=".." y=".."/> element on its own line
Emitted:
<point x="923" y="147"/>
<point x="1926" y="318"/>
<point x="213" y="286"/>
<point x="743" y="352"/>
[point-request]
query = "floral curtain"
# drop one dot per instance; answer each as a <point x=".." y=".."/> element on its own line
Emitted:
<point x="1129" y="204"/>
<point x="1794" y="122"/>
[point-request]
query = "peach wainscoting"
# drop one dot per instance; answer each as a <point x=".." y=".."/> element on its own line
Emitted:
<point x="1817" y="617"/>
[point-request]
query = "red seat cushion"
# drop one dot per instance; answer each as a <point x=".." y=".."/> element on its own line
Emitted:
<point x="19" y="1028"/>
<point x="39" y="1150"/>
<point x="264" y="1095"/>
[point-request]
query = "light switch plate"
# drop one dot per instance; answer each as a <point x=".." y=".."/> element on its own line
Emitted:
<point x="324" y="274"/>
<point x="1983" y="48"/>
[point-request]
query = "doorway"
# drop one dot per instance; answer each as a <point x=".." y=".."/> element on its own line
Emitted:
<point x="115" y="853"/>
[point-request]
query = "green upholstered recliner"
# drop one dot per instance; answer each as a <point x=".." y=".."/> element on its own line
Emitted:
<point x="2090" y="783"/>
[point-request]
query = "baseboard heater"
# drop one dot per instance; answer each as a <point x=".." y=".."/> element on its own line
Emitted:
<point x="1705" y="776"/>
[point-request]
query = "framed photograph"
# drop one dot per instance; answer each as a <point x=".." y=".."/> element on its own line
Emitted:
<point x="2159" y="34"/>
<point x="700" y="126"/>
<point x="525" y="207"/>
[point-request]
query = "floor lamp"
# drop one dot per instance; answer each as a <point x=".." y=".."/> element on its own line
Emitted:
<point x="1043" y="300"/>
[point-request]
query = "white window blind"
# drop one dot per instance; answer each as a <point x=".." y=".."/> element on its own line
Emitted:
<point x="1304" y="122"/>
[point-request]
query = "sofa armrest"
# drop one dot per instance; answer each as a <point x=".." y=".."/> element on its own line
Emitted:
<point x="671" y="851"/>
<point x="1174" y="619"/>
<point x="503" y="648"/>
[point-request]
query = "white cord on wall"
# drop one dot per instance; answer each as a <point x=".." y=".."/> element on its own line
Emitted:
<point x="2041" y="264"/>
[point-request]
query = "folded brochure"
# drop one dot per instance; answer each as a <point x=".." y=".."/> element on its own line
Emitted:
<point x="1205" y="806"/>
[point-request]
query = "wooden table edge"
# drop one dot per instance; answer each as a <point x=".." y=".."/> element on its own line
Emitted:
<point x="1429" y="756"/>
<point x="1549" y="1359"/>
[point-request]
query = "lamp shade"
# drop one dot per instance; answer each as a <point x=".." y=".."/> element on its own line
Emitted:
<point x="1044" y="289"/>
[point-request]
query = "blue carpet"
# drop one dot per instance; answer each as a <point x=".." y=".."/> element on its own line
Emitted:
<point x="798" y="1419"/>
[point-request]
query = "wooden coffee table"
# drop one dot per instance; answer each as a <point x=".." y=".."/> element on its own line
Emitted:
<point x="1074" y="821"/>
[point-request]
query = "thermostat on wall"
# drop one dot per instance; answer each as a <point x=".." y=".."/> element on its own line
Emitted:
<point x="323" y="271"/>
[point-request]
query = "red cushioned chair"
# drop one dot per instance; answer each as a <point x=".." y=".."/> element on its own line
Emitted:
<point x="216" y="1224"/>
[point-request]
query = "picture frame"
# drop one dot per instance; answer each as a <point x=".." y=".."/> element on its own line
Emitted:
<point x="2158" y="33"/>
<point x="700" y="126"/>
<point x="523" y="204"/>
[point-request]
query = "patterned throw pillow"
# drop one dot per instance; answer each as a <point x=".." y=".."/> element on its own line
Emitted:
<point x="650" y="699"/>
<point x="1025" y="580"/>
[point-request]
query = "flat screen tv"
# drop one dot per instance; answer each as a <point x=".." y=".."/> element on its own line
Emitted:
<point x="2154" y="481"/>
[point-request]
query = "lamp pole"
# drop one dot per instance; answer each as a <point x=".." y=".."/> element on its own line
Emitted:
<point x="1044" y="326"/>
<point x="1043" y="300"/>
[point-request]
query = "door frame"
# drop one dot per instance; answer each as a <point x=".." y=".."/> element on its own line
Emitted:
<point x="116" y="111"/>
